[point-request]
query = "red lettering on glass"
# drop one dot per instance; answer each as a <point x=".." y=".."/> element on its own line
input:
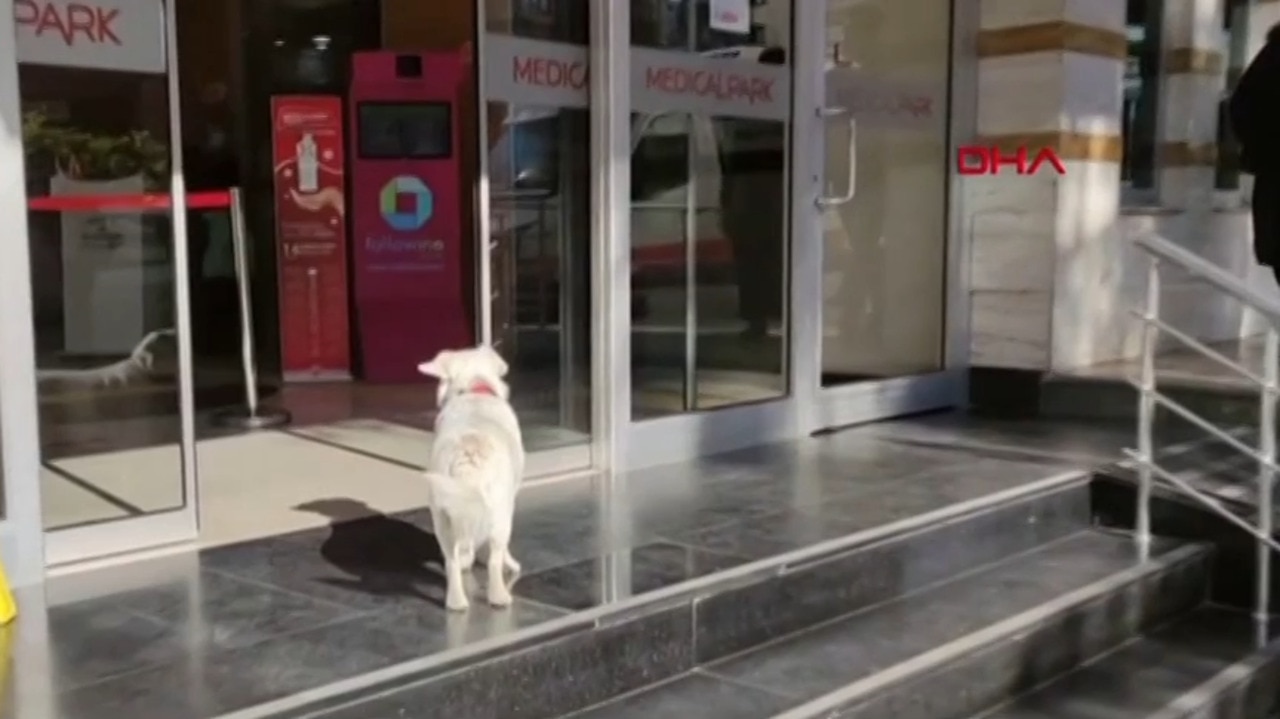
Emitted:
<point x="915" y="106"/>
<point x="982" y="160"/>
<point x="549" y="72"/>
<point x="72" y="22"/>
<point x="704" y="83"/>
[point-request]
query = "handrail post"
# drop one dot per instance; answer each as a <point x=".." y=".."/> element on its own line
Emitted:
<point x="251" y="415"/>
<point x="1266" y="480"/>
<point x="1147" y="409"/>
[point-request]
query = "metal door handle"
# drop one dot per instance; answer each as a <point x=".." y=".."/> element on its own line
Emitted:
<point x="826" y="202"/>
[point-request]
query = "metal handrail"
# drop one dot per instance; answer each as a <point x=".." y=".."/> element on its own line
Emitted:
<point x="1204" y="269"/>
<point x="1206" y="351"/>
<point x="1161" y="250"/>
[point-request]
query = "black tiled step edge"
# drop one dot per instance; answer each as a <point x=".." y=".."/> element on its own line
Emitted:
<point x="1173" y="514"/>
<point x="1205" y="664"/>
<point x="969" y="645"/>
<point x="1077" y="397"/>
<point x="589" y="657"/>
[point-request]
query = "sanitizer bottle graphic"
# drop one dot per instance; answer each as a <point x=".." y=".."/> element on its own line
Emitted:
<point x="308" y="165"/>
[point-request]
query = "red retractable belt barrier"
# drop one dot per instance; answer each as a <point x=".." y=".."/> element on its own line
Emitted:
<point x="218" y="199"/>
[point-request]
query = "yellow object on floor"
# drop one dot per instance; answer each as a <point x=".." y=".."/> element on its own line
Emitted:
<point x="8" y="607"/>
<point x="6" y="646"/>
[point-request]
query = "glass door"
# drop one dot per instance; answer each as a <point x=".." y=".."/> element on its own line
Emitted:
<point x="710" y="192"/>
<point x="884" y="216"/>
<point x="535" y="278"/>
<point x="108" y="256"/>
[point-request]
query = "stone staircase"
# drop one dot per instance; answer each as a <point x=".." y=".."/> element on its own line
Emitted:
<point x="1016" y="607"/>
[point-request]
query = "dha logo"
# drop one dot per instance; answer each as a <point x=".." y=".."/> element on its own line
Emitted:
<point x="406" y="191"/>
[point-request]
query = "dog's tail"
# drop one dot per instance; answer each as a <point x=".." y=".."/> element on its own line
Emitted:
<point x="464" y="482"/>
<point x="447" y="491"/>
<point x="473" y="451"/>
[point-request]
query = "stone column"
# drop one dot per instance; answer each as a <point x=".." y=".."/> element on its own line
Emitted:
<point x="1193" y="75"/>
<point x="1049" y="75"/>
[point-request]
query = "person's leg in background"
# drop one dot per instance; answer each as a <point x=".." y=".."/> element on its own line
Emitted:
<point x="197" y="245"/>
<point x="773" y="262"/>
<point x="1266" y="221"/>
<point x="751" y="300"/>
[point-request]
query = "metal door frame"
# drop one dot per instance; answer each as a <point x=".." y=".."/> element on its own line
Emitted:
<point x="178" y="526"/>
<point x="807" y="407"/>
<point x="863" y="402"/>
<point x="559" y="460"/>
<point x="21" y="527"/>
<point x="689" y="435"/>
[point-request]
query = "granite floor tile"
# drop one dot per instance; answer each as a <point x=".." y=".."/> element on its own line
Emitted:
<point x="767" y="535"/>
<point x="990" y="673"/>
<point x="735" y="619"/>
<point x="578" y="671"/>
<point x="91" y="641"/>
<point x="692" y="695"/>
<point x="1146" y="675"/>
<point x="372" y="563"/>
<point x="456" y="695"/>
<point x="585" y="669"/>
<point x="212" y="682"/>
<point x="329" y="603"/>
<point x="586" y="584"/>
<point x="817" y="661"/>
<point x="575" y="529"/>
<point x="436" y="629"/>
<point x="1074" y="441"/>
<point x="933" y="490"/>
<point x="228" y="612"/>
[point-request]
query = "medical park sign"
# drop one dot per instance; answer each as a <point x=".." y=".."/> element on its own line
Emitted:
<point x="114" y="35"/>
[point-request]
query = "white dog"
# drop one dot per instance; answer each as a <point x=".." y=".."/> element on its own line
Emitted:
<point x="138" y="364"/>
<point x="475" y="469"/>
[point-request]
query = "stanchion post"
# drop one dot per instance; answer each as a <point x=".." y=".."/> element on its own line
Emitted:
<point x="251" y="415"/>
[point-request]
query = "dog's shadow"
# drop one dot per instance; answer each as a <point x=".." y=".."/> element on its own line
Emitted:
<point x="380" y="555"/>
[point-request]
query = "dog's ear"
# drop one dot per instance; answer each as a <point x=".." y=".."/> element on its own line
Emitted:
<point x="438" y="367"/>
<point x="495" y="360"/>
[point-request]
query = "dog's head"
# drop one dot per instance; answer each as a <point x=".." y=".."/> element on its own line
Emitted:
<point x="477" y="370"/>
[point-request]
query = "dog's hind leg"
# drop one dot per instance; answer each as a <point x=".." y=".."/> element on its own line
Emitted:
<point x="468" y="556"/>
<point x="455" y="598"/>
<point x="499" y="560"/>
<point x="512" y="565"/>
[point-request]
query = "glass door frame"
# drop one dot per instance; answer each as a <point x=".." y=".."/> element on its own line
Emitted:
<point x="685" y="436"/>
<point x="807" y="407"/>
<point x="106" y="539"/>
<point x="22" y="525"/>
<point x="544" y="463"/>
<point x="853" y="403"/>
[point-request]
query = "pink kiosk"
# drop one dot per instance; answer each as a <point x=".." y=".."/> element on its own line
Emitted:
<point x="406" y="210"/>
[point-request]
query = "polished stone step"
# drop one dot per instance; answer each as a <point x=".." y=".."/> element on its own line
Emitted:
<point x="594" y="656"/>
<point x="1216" y="469"/>
<point x="1205" y="664"/>
<point x="954" y="648"/>
<point x="1071" y="397"/>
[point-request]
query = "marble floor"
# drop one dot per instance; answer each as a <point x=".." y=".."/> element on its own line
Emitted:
<point x="207" y="633"/>
<point x="282" y="470"/>
<point x="108" y="470"/>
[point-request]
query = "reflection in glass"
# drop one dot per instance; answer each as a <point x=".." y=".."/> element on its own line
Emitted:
<point x="103" y="291"/>
<point x="1141" y="93"/>
<point x="885" y="253"/>
<point x="539" y="226"/>
<point x="708" y="226"/>
<point x="1235" y="29"/>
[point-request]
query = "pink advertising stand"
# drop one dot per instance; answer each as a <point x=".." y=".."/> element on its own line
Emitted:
<point x="406" y="213"/>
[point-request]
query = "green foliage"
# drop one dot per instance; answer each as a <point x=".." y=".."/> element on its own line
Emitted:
<point x="85" y="155"/>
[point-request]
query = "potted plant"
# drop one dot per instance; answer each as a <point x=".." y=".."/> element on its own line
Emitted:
<point x="106" y="286"/>
<point x="83" y="155"/>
